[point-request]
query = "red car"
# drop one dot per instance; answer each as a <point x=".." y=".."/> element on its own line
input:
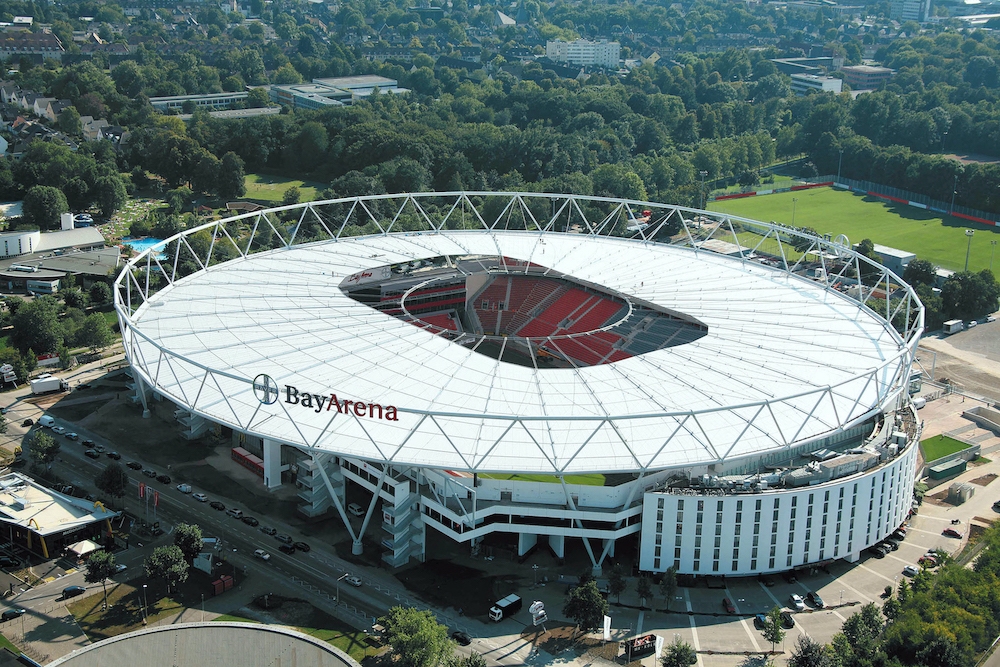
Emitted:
<point x="728" y="604"/>
<point x="951" y="532"/>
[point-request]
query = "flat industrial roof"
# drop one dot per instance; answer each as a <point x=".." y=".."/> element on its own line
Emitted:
<point x="28" y="504"/>
<point x="785" y="359"/>
<point x="216" y="644"/>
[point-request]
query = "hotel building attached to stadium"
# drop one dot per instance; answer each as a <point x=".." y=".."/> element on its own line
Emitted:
<point x="540" y="370"/>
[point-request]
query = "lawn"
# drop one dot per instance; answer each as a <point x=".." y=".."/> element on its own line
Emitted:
<point x="939" y="239"/>
<point x="272" y="188"/>
<point x="6" y="643"/>
<point x="593" y="479"/>
<point x="940" y="446"/>
<point x="353" y="642"/>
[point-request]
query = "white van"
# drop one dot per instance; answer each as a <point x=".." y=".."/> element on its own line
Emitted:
<point x="356" y="509"/>
<point x="235" y="513"/>
<point x="46" y="421"/>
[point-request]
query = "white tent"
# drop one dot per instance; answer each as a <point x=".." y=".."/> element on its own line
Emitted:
<point x="83" y="548"/>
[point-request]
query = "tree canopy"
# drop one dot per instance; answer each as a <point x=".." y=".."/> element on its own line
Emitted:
<point x="113" y="480"/>
<point x="167" y="563"/>
<point x="586" y="606"/>
<point x="416" y="638"/>
<point x="101" y="566"/>
<point x="188" y="538"/>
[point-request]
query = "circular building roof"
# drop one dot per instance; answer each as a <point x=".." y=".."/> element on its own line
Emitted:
<point x="216" y="644"/>
<point x="781" y="358"/>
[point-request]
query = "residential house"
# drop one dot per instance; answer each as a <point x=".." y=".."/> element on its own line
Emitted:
<point x="36" y="46"/>
<point x="54" y="108"/>
<point x="91" y="127"/>
<point x="40" y="104"/>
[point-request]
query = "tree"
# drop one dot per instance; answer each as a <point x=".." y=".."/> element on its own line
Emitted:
<point x="43" y="448"/>
<point x="417" y="639"/>
<point x="616" y="581"/>
<point x="678" y="654"/>
<point x="187" y="537"/>
<point x="810" y="653"/>
<point x="110" y="194"/>
<point x="668" y="585"/>
<point x="100" y="567"/>
<point x="69" y="121"/>
<point x="74" y="298"/>
<point x="43" y="204"/>
<point x="969" y="295"/>
<point x="167" y="563"/>
<point x="772" y="629"/>
<point x="292" y="196"/>
<point x="100" y="294"/>
<point x="644" y="587"/>
<point x="113" y="480"/>
<point x="95" y="333"/>
<point x="257" y="98"/>
<point x="36" y="326"/>
<point x="920" y="272"/>
<point x="232" y="179"/>
<point x="586" y="606"/>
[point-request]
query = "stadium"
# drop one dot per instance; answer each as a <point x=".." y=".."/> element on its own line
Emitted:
<point x="558" y="371"/>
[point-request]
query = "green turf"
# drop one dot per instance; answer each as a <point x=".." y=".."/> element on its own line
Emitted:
<point x="940" y="446"/>
<point x="352" y="642"/>
<point x="594" y="479"/>
<point x="272" y="188"/>
<point x="939" y="239"/>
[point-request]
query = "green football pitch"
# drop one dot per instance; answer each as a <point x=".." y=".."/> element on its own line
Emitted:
<point x="939" y="239"/>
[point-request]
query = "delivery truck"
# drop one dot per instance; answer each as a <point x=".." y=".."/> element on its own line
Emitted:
<point x="47" y="384"/>
<point x="505" y="607"/>
<point x="953" y="326"/>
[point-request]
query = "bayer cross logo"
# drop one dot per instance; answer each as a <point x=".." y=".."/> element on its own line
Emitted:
<point x="265" y="389"/>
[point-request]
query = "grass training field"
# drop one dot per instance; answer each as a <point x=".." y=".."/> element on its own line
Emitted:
<point x="938" y="239"/>
<point x="593" y="479"/>
<point x="272" y="188"/>
<point x="940" y="446"/>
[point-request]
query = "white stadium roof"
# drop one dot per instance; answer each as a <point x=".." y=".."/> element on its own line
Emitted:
<point x="785" y="359"/>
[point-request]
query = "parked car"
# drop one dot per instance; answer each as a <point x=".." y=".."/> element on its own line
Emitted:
<point x="99" y="448"/>
<point x="250" y="521"/>
<point x="92" y="453"/>
<point x="911" y="571"/>
<point x="301" y="546"/>
<point x="815" y="600"/>
<point x="11" y="614"/>
<point x="760" y="620"/>
<point x="996" y="506"/>
<point x="728" y="605"/>
<point x="184" y="488"/>
<point x="73" y="591"/>
<point x="200" y="497"/>
<point x="120" y="567"/>
<point x="72" y="436"/>
<point x="928" y="560"/>
<point x="796" y="602"/>
<point x="356" y="509"/>
<point x="951" y="532"/>
<point x="58" y="429"/>
<point x="790" y="577"/>
<point x="787" y="621"/>
<point x="114" y="456"/>
<point x="286" y="549"/>
<point x="149" y="473"/>
<point x="217" y="506"/>
<point x="353" y="581"/>
<point x="165" y="479"/>
<point x="28" y="422"/>
<point x="235" y="512"/>
<point x="87" y="442"/>
<point x="284" y="539"/>
<point x="9" y="561"/>
<point x="134" y="465"/>
<point x="261" y="554"/>
<point x="462" y="638"/>
<point x="267" y="530"/>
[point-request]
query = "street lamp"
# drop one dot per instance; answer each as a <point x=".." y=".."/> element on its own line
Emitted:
<point x="842" y="597"/>
<point x="944" y="135"/>
<point x="968" y="249"/>
<point x="534" y="572"/>
<point x="993" y="247"/>
<point x="202" y="607"/>
<point x="794" y="199"/>
<point x="703" y="174"/>
<point x="954" y="191"/>
<point x="343" y="576"/>
<point x="840" y="162"/>
<point x="144" y="617"/>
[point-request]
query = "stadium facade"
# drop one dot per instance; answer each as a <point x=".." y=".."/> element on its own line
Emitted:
<point x="566" y="370"/>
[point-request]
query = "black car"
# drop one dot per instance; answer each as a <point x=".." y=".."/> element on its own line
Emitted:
<point x="28" y="422"/>
<point x="301" y="546"/>
<point x="134" y="465"/>
<point x="284" y="539"/>
<point x="9" y="561"/>
<point x="149" y="473"/>
<point x="157" y="532"/>
<point x="163" y="478"/>
<point x="11" y="614"/>
<point x="92" y="453"/>
<point x="71" y="436"/>
<point x="115" y="456"/>
<point x="286" y="549"/>
<point x="87" y="442"/>
<point x="216" y="505"/>
<point x="787" y="621"/>
<point x="250" y="521"/>
<point x="815" y="600"/>
<point x="73" y="591"/>
<point x="462" y="638"/>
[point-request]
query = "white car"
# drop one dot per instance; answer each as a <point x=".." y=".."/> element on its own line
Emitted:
<point x="911" y="571"/>
<point x="120" y="568"/>
<point x="796" y="601"/>
<point x="261" y="554"/>
<point x="354" y="581"/>
<point x="58" y="429"/>
<point x="200" y="497"/>
<point x="184" y="488"/>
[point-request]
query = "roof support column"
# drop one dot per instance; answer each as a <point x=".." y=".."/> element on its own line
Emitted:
<point x="140" y="395"/>
<point x="272" y="464"/>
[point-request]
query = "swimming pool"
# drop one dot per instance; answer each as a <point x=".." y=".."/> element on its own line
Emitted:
<point x="143" y="244"/>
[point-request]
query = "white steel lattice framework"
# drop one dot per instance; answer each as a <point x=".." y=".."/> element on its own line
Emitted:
<point x="785" y="360"/>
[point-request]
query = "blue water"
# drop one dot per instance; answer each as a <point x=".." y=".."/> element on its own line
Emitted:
<point x="143" y="244"/>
